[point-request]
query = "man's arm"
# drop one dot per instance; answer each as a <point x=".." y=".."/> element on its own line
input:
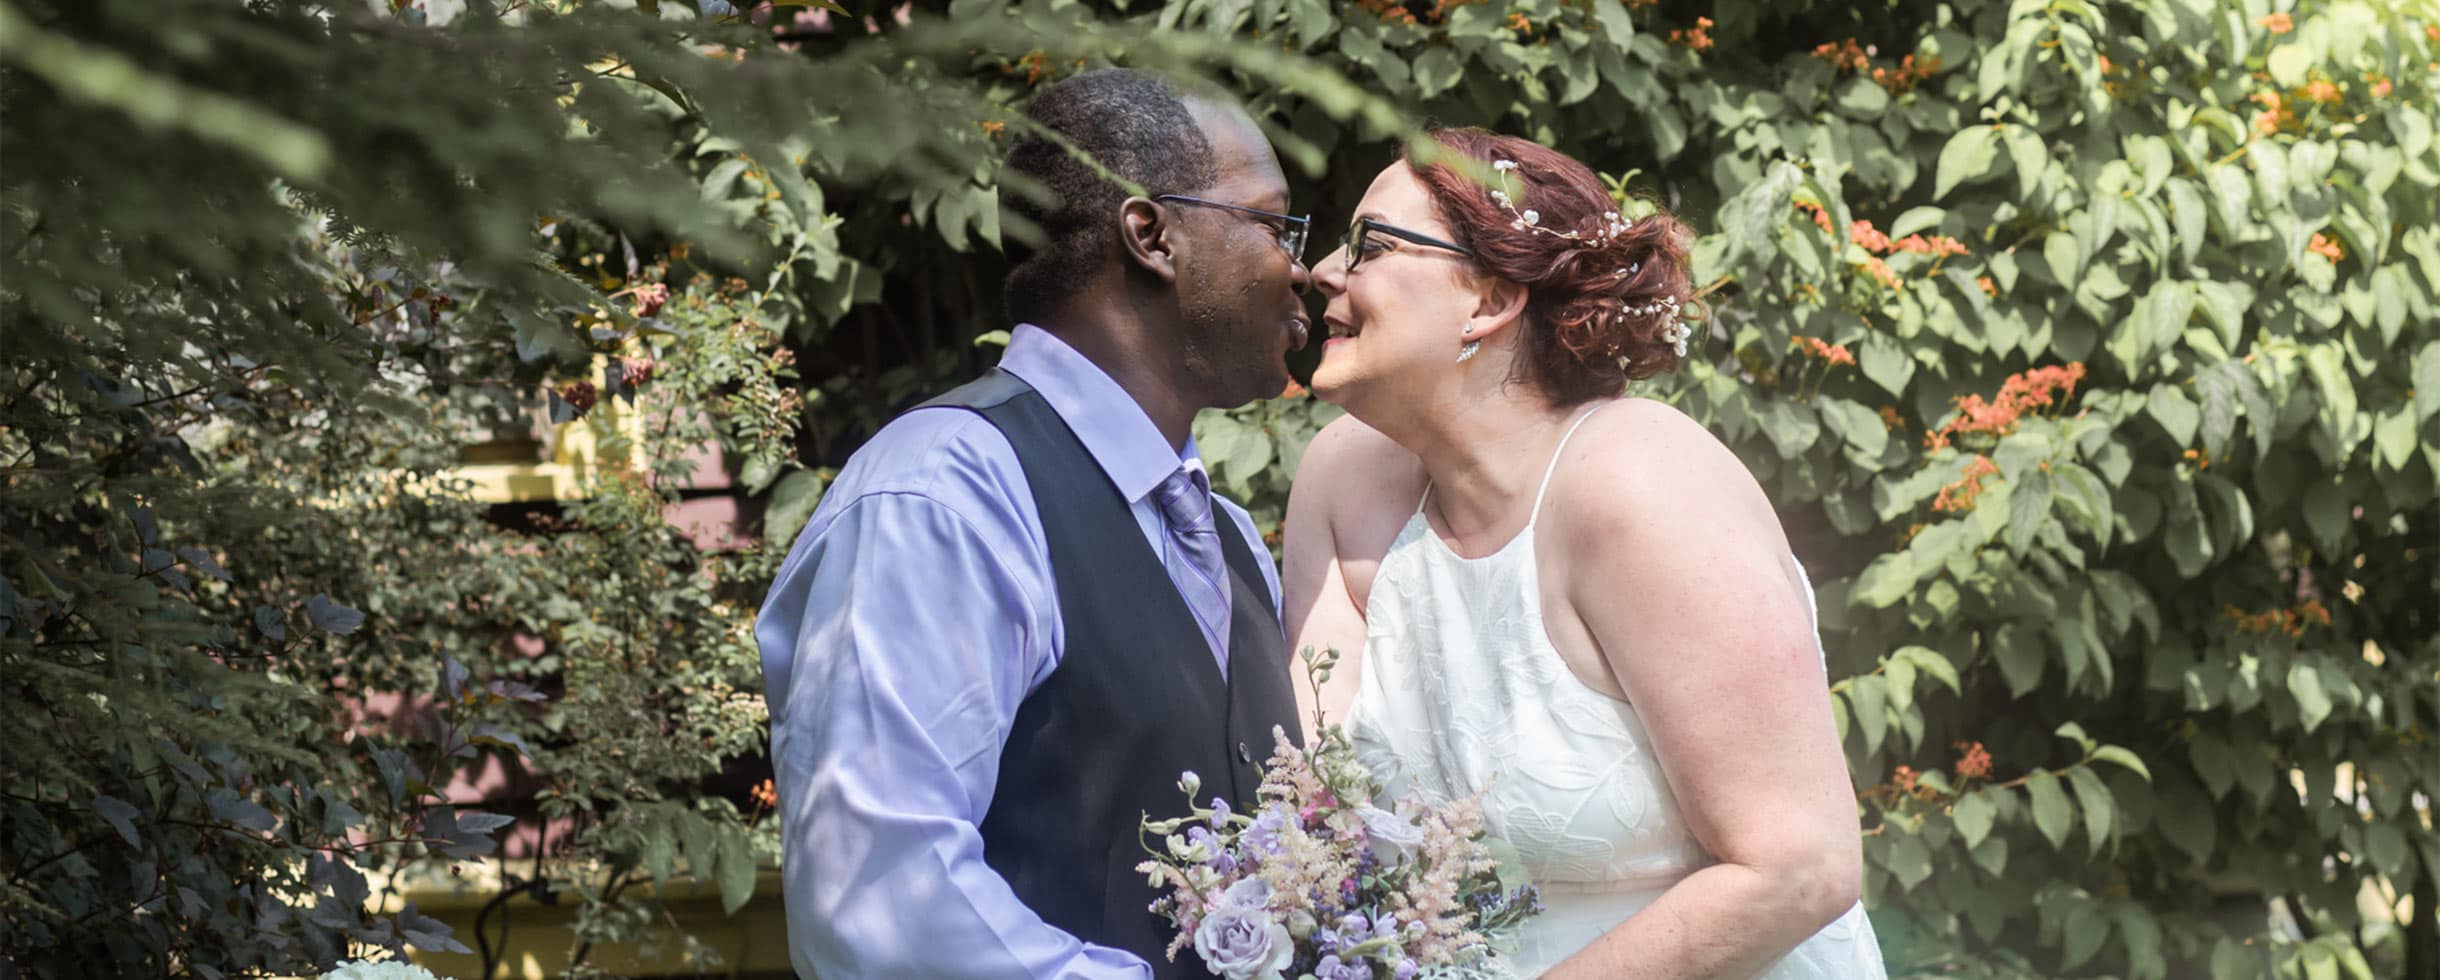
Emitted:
<point x="892" y="697"/>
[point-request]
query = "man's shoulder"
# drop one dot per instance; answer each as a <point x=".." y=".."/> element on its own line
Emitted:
<point x="947" y="453"/>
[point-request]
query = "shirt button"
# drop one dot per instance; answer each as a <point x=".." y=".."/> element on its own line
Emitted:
<point x="1244" y="754"/>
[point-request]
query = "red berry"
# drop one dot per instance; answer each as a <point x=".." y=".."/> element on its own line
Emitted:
<point x="637" y="371"/>
<point x="579" y="394"/>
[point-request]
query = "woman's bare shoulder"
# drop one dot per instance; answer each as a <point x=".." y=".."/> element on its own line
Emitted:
<point x="1641" y="462"/>
<point x="1363" y="481"/>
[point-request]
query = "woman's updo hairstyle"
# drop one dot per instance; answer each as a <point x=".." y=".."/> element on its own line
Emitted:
<point x="1607" y="299"/>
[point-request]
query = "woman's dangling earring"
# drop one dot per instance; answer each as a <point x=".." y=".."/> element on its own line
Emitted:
<point x="1468" y="350"/>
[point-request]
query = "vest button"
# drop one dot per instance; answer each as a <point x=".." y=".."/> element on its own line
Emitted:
<point x="1244" y="754"/>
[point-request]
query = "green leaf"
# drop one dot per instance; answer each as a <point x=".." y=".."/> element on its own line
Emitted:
<point x="1932" y="662"/>
<point x="2189" y="537"/>
<point x="736" y="870"/>
<point x="1910" y="860"/>
<point x="2193" y="222"/>
<point x="2187" y="820"/>
<point x="2175" y="412"/>
<point x="660" y="850"/>
<point x="1871" y="710"/>
<point x="1791" y="427"/>
<point x="1437" y="71"/>
<point x="2312" y="703"/>
<point x="1888" y="579"/>
<point x="2230" y="960"/>
<point x="121" y="815"/>
<point x="1974" y="815"/>
<point x="2084" y="933"/>
<point x="2021" y="658"/>
<point x="2385" y="843"/>
<point x="792" y="504"/>
<point x="2290" y="64"/>
<point x="1862" y="98"/>
<point x="2099" y="807"/>
<point x="2117" y="755"/>
<point x="2142" y="935"/>
<point x="1888" y="365"/>
<point x="2325" y="362"/>
<point x="1920" y="218"/>
<point x="2427" y="381"/>
<point x="2213" y="762"/>
<point x="1968" y="156"/>
<point x="2053" y="815"/>
<point x="2326" y="513"/>
<point x="2394" y="435"/>
<point x="2028" y="510"/>
<point x="1991" y="855"/>
<point x="332" y="617"/>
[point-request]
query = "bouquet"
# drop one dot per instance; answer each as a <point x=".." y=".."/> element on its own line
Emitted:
<point x="1324" y="882"/>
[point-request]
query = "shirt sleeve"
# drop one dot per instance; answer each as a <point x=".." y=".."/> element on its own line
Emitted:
<point x="893" y="690"/>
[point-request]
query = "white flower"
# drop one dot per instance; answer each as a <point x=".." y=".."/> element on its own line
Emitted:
<point x="386" y="970"/>
<point x="1500" y="197"/>
<point x="1533" y="217"/>
<point x="1392" y="836"/>
<point x="1504" y="166"/>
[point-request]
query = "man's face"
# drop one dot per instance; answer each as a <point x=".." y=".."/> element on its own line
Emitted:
<point x="1239" y="291"/>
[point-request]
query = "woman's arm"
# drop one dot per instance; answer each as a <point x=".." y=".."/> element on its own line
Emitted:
<point x="1677" y="566"/>
<point x="1319" y="612"/>
<point x="1342" y="514"/>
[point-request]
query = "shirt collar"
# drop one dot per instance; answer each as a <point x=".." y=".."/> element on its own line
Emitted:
<point x="1113" y="428"/>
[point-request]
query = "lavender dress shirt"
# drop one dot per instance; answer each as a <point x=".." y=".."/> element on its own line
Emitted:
<point x="915" y="613"/>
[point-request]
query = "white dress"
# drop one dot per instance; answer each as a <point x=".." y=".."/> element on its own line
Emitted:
<point x="1461" y="690"/>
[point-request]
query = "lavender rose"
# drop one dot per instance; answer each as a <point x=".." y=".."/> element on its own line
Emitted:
<point x="1392" y="836"/>
<point x="1240" y="943"/>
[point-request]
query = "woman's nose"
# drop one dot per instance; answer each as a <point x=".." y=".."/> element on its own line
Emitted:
<point x="1330" y="274"/>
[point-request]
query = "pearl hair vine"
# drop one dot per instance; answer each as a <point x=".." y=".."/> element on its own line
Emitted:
<point x="1614" y="226"/>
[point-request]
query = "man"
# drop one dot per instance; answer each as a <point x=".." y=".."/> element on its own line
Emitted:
<point x="1020" y="613"/>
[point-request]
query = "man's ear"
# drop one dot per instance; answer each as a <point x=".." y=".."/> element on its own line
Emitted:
<point x="1144" y="236"/>
<point x="1502" y="306"/>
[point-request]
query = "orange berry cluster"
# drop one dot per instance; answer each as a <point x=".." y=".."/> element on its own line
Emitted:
<point x="2326" y="247"/>
<point x="1821" y="350"/>
<point x="1697" y="38"/>
<point x="2038" y="388"/>
<point x="1973" y="761"/>
<point x="1958" y="497"/>
<point x="2290" y="621"/>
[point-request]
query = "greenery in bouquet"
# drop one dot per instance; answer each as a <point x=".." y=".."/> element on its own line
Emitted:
<point x="1325" y="881"/>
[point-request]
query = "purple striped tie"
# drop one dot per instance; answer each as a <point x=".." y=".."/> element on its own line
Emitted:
<point x="1192" y="553"/>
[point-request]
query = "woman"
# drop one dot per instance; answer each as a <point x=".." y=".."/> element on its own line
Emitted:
<point x="1577" y="604"/>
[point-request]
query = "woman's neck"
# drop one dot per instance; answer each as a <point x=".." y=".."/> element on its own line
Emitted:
<point x="1486" y="457"/>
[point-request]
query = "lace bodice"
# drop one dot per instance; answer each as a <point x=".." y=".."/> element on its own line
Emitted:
<point x="1461" y="691"/>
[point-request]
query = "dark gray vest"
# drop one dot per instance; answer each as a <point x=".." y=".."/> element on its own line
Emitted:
<point x="1136" y="699"/>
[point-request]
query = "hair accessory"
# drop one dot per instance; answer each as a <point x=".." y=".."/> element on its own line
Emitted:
<point x="1610" y="228"/>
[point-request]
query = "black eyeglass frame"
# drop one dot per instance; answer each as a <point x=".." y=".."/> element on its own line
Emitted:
<point x="1357" y="231"/>
<point x="1295" y="230"/>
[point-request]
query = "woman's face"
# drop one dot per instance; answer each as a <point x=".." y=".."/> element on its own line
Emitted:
<point x="1395" y="322"/>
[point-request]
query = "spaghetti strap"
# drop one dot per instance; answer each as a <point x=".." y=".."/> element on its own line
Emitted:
<point x="1547" y="471"/>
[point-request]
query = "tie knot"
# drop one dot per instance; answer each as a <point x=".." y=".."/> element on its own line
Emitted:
<point x="1185" y="497"/>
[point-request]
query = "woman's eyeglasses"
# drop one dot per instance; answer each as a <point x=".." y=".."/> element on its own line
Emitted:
<point x="1291" y="228"/>
<point x="1359" y="242"/>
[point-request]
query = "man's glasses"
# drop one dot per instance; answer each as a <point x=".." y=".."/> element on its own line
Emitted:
<point x="1359" y="244"/>
<point x="1291" y="229"/>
